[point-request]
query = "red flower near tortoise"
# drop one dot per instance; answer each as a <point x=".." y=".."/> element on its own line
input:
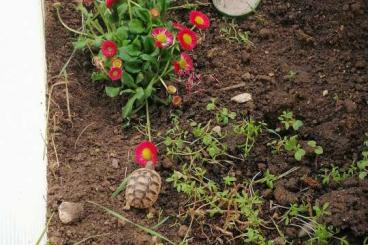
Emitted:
<point x="183" y="66"/>
<point x="199" y="19"/>
<point x="110" y="3"/>
<point x="109" y="48"/>
<point x="163" y="38"/>
<point x="187" y="39"/>
<point x="115" y="73"/>
<point x="146" y="152"/>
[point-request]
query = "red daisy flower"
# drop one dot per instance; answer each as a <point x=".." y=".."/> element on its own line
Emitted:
<point x="110" y="3"/>
<point x="163" y="38"/>
<point x="187" y="39"/>
<point x="115" y="73"/>
<point x="146" y="152"/>
<point x="178" y="26"/>
<point x="199" y="19"/>
<point x="183" y="66"/>
<point x="109" y="48"/>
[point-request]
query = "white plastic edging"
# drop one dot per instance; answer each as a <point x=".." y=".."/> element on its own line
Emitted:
<point x="22" y="122"/>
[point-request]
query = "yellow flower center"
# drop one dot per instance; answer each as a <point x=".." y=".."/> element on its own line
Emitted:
<point x="161" y="37"/>
<point x="199" y="20"/>
<point x="115" y="73"/>
<point x="117" y="63"/>
<point x="187" y="38"/>
<point x="147" y="154"/>
<point x="182" y="63"/>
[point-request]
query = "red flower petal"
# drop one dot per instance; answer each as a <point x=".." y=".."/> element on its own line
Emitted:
<point x="178" y="26"/>
<point x="109" y="48"/>
<point x="183" y="66"/>
<point x="110" y="3"/>
<point x="163" y="38"/>
<point x="115" y="73"/>
<point x="199" y="19"/>
<point x="187" y="39"/>
<point x="146" y="152"/>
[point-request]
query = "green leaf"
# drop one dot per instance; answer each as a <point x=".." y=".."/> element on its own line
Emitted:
<point x="146" y="57"/>
<point x="128" y="80"/>
<point x="140" y="94"/>
<point x="362" y="175"/>
<point x="98" y="76"/>
<point x="136" y="26"/>
<point x="112" y="91"/>
<point x="133" y="67"/>
<point x="81" y="43"/>
<point x="128" y="108"/>
<point x="297" y="124"/>
<point x="312" y="143"/>
<point x="123" y="53"/>
<point x="148" y="44"/>
<point x="162" y="4"/>
<point x="122" y="9"/>
<point x="319" y="150"/>
<point x="122" y="33"/>
<point x="299" y="154"/>
<point x="143" y="14"/>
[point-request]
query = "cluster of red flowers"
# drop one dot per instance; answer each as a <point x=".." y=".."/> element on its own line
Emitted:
<point x="109" y="49"/>
<point x="186" y="37"/>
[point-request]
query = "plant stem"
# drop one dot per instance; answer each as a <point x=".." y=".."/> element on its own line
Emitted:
<point x="130" y="9"/>
<point x="69" y="28"/>
<point x="148" y="122"/>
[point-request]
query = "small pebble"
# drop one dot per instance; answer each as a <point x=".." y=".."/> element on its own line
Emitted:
<point x="183" y="229"/>
<point x="246" y="76"/>
<point x="242" y="98"/>
<point x="115" y="163"/>
<point x="217" y="129"/>
<point x="325" y="92"/>
<point x="70" y="212"/>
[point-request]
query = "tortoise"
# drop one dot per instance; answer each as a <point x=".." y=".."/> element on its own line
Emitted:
<point x="143" y="188"/>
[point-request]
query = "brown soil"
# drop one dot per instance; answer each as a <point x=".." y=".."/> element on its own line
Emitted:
<point x="324" y="42"/>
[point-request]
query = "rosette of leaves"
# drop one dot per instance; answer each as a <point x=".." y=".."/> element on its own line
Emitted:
<point x="129" y="24"/>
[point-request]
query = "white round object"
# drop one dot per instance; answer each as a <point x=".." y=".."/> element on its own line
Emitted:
<point x="236" y="7"/>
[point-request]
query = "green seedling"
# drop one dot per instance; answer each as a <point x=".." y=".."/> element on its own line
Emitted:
<point x="288" y="121"/>
<point x="318" y="150"/>
<point x="232" y="33"/>
<point x="250" y="130"/>
<point x="223" y="115"/>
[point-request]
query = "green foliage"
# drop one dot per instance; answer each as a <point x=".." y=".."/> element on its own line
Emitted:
<point x="223" y="115"/>
<point x="291" y="143"/>
<point x="232" y="32"/>
<point x="129" y="25"/>
<point x="269" y="179"/>
<point x="250" y="130"/>
<point x="288" y="121"/>
<point x="359" y="168"/>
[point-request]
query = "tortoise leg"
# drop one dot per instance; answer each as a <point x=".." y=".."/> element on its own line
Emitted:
<point x="127" y="206"/>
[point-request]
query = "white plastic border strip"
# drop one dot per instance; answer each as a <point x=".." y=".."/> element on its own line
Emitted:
<point x="22" y="122"/>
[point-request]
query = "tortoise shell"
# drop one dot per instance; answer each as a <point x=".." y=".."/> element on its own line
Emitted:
<point x="143" y="188"/>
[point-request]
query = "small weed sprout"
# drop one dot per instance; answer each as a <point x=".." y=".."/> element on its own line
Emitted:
<point x="288" y="121"/>
<point x="250" y="130"/>
<point x="291" y="143"/>
<point x="232" y="33"/>
<point x="223" y="115"/>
